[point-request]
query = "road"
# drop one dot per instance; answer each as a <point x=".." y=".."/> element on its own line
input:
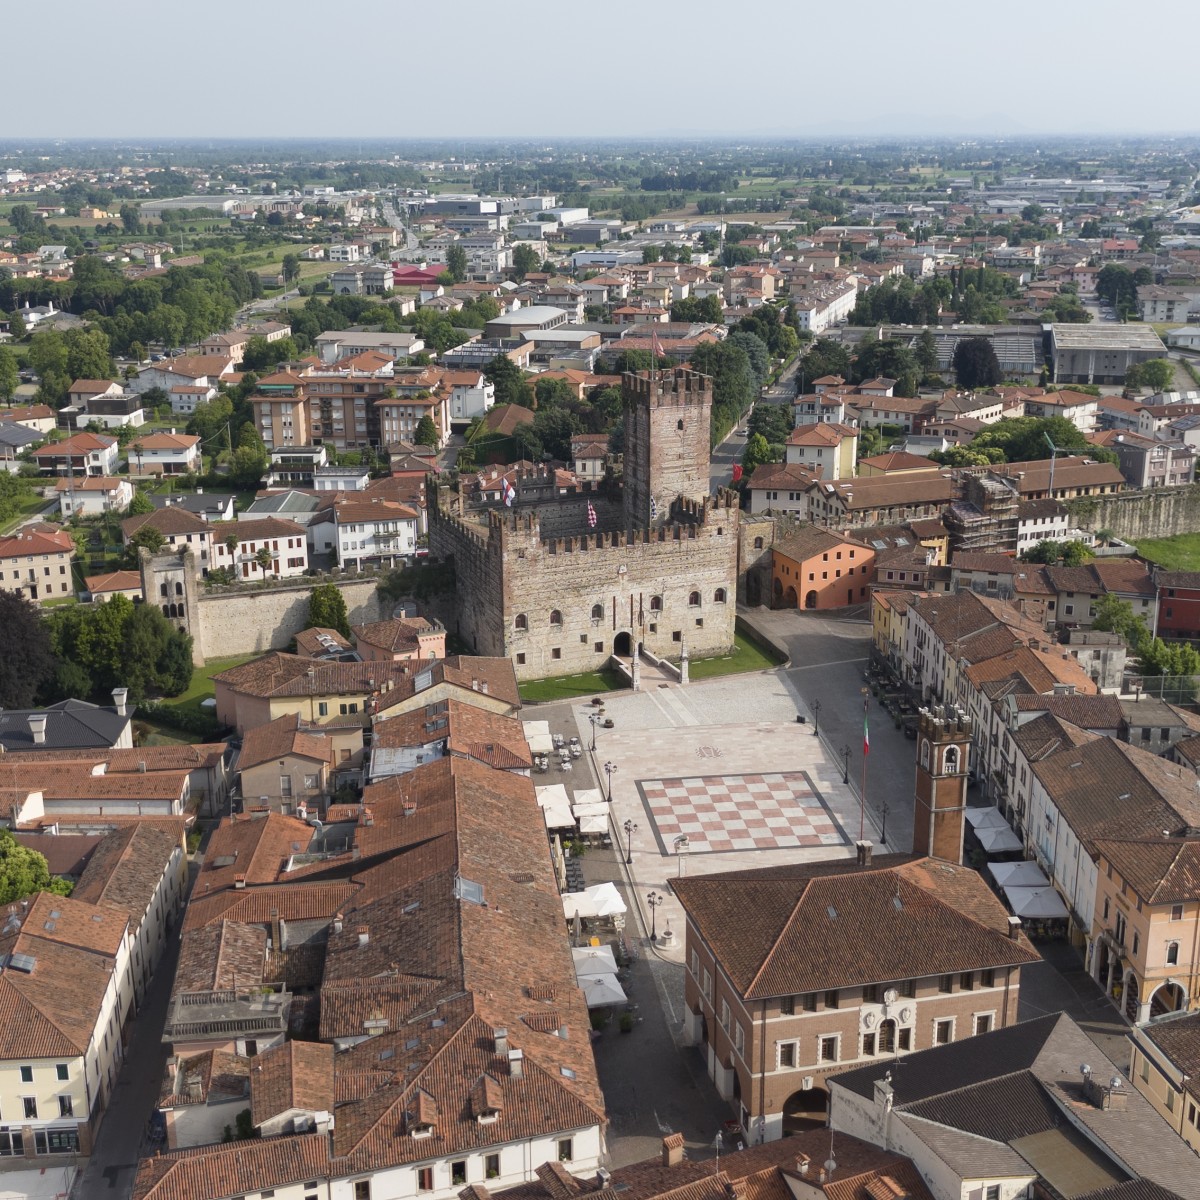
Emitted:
<point x="393" y="219"/>
<point x="731" y="449"/>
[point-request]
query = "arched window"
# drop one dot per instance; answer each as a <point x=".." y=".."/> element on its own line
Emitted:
<point x="693" y="599"/>
<point x="719" y="596"/>
<point x="925" y="753"/>
<point x="597" y="612"/>
<point x="679" y="424"/>
<point x="555" y="617"/>
<point x="162" y="587"/>
<point x="179" y="589"/>
<point x="521" y="621"/>
<point x="950" y="760"/>
<point x="656" y="604"/>
<point x="166" y="610"/>
<point x="758" y="543"/>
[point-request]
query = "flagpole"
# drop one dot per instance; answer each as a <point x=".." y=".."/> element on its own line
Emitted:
<point x="862" y="796"/>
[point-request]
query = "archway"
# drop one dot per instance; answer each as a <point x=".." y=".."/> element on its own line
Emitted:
<point x="1131" y="996"/>
<point x="805" y="1109"/>
<point x="810" y="600"/>
<point x="776" y="592"/>
<point x="1167" y="998"/>
<point x="623" y="645"/>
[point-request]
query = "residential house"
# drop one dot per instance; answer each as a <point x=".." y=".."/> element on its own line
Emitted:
<point x="471" y="394"/>
<point x="179" y="528"/>
<point x="1164" y="1066"/>
<point x="825" y="448"/>
<point x="780" y="487"/>
<point x="879" y="500"/>
<point x="1078" y="588"/>
<point x="93" y="495"/>
<point x="814" y="568"/>
<point x="374" y="531"/>
<point x="37" y="562"/>
<point x="1150" y="463"/>
<point x="796" y="971"/>
<point x="252" y="550"/>
<point x="15" y="440"/>
<point x="909" y="415"/>
<point x="38" y="417"/>
<point x="69" y="725"/>
<point x="895" y="462"/>
<point x="589" y="455"/>
<point x="1157" y="303"/>
<point x="1178" y="603"/>
<point x="1152" y="724"/>
<point x="287" y="766"/>
<point x="1036" y="1109"/>
<point x="402" y="639"/>
<point x="114" y="583"/>
<point x="81" y="454"/>
<point x="83" y="390"/>
<point x="166" y="454"/>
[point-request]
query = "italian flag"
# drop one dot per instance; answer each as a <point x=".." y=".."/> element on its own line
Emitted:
<point x="866" y="733"/>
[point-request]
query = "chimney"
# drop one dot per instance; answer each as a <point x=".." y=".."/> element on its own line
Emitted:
<point x="516" y="1064"/>
<point x="120" y="697"/>
<point x="337" y="923"/>
<point x="37" y="727"/>
<point x="863" y="852"/>
<point x="672" y="1150"/>
<point x="239" y="881"/>
<point x="500" y="1039"/>
<point x="1014" y="927"/>
<point x="364" y="935"/>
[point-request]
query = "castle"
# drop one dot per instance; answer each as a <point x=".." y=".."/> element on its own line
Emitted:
<point x="664" y="581"/>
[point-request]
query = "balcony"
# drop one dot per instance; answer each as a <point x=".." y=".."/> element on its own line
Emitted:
<point x="228" y="1013"/>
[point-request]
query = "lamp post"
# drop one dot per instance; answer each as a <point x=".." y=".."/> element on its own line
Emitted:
<point x="883" y="812"/>
<point x="630" y="829"/>
<point x="845" y="752"/>
<point x="595" y="718"/>
<point x="654" y="900"/>
<point x="816" y="712"/>
<point x="610" y="769"/>
<point x="862" y="798"/>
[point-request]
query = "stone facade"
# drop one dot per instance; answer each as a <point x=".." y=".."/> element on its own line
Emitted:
<point x="559" y="605"/>
<point x="230" y="621"/>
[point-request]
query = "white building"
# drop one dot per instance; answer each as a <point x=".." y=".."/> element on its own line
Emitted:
<point x="166" y="453"/>
<point x="261" y="549"/>
<point x="375" y="530"/>
<point x="93" y="495"/>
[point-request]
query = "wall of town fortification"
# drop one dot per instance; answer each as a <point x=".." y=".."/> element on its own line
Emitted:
<point x="1161" y="513"/>
<point x="229" y="622"/>
<point x="559" y="606"/>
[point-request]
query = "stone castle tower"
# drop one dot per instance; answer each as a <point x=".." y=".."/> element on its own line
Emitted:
<point x="939" y="817"/>
<point x="169" y="582"/>
<point x="667" y="432"/>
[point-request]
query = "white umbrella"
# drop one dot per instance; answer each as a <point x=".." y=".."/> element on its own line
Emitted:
<point x="555" y="807"/>
<point x="602" y="991"/>
<point x="588" y="796"/>
<point x="998" y="841"/>
<point x="606" y="898"/>
<point x="1036" y="903"/>
<point x="594" y="960"/>
<point x="986" y="818"/>
<point x="1018" y="874"/>
<point x="537" y="734"/>
<point x="593" y="824"/>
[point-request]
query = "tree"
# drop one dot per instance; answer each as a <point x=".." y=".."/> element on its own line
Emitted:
<point x="525" y="260"/>
<point x="772" y="421"/>
<point x="975" y="363"/>
<point x="26" y="659"/>
<point x="148" y="538"/>
<point x="9" y="376"/>
<point x="262" y="355"/>
<point x="139" y="505"/>
<point x="16" y="325"/>
<point x="24" y="871"/>
<point x="456" y="263"/>
<point x="1157" y="374"/>
<point x="824" y="357"/>
<point x="925" y="352"/>
<point x="509" y="381"/>
<point x="327" y="609"/>
<point x="264" y="558"/>
<point x="1116" y="285"/>
<point x="1113" y="615"/>
<point x="290" y="267"/>
<point x="651" y="254"/>
<point x="1090" y="228"/>
<point x="757" y="452"/>
<point x="756" y="350"/>
<point x="426" y="434"/>
<point x="1070" y="554"/>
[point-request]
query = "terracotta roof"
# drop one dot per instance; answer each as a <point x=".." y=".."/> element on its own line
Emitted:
<point x="126" y="869"/>
<point x="400" y="633"/>
<point x="309" y="642"/>
<point x="225" y="955"/>
<point x="899" y="460"/>
<point x="890" y="491"/>
<point x="779" y="931"/>
<point x="1161" y="870"/>
<point x="256" y="530"/>
<point x="365" y="509"/>
<point x="774" y="476"/>
<point x="35" y="540"/>
<point x="472" y="732"/>
<point x="283" y="738"/>
<point x="820" y="433"/>
<point x="1003" y="564"/>
<point x="80" y="443"/>
<point x="504" y="418"/>
<point x="92" y="387"/>
<point x="296" y="1075"/>
<point x="806" y="541"/>
<point x="168" y="521"/>
<point x="165" y="441"/>
<point x="1088" y="712"/>
<point x="280" y="674"/>
<point x="1178" y="1037"/>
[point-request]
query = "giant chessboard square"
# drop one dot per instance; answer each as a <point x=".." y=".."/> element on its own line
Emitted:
<point x="740" y="812"/>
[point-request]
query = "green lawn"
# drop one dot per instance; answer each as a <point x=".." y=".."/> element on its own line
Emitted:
<point x="571" y="687"/>
<point x="201" y="687"/>
<point x="28" y="506"/>
<point x="745" y="656"/>
<point x="1179" y="553"/>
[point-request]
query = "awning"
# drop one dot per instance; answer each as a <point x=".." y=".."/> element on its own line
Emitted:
<point x="989" y="817"/>
<point x="602" y="991"/>
<point x="537" y="734"/>
<point x="594" y="960"/>
<point x="998" y="841"/>
<point x="600" y="900"/>
<point x="590" y="810"/>
<point x="1018" y="874"/>
<point x="1036" y="903"/>
<point x="556" y="808"/>
<point x="593" y="823"/>
<point x="588" y="796"/>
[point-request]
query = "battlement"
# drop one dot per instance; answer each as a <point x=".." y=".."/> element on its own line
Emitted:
<point x="662" y="389"/>
<point x="944" y="723"/>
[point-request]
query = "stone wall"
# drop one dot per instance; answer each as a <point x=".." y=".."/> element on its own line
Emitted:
<point x="1161" y="513"/>
<point x="230" y="621"/>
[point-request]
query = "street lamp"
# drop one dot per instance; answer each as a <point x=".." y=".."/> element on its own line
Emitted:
<point x="883" y="812"/>
<point x="630" y="829"/>
<point x="845" y="752"/>
<point x="654" y="900"/>
<point x="595" y="718"/>
<point x="610" y="769"/>
<point x="816" y="712"/>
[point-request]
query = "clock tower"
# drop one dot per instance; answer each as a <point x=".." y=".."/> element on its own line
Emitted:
<point x="939" y="817"/>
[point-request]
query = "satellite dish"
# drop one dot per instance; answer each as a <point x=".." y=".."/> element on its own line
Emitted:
<point x="891" y="996"/>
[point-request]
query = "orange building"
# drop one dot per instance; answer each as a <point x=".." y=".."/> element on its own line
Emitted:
<point x="815" y="568"/>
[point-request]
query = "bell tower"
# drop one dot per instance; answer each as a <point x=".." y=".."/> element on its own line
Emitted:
<point x="939" y="817"/>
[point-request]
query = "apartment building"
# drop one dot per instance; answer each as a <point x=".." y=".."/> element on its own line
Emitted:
<point x="36" y="562"/>
<point x="266" y="548"/>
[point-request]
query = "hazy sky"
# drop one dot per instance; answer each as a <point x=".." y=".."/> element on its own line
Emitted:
<point x="398" y="68"/>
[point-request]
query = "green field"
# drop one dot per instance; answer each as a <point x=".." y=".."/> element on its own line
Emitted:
<point x="745" y="656"/>
<point x="1179" y="553"/>
<point x="201" y="687"/>
<point x="571" y="687"/>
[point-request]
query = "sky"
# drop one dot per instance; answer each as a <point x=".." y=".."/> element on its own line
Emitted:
<point x="609" y="68"/>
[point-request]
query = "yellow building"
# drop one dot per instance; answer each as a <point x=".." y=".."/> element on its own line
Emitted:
<point x="1164" y="1064"/>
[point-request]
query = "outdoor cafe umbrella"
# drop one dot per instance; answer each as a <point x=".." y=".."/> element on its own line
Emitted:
<point x="602" y="991"/>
